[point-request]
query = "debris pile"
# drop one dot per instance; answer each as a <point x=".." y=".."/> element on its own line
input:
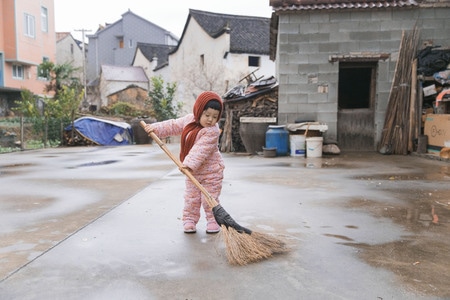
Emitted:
<point x="7" y="139"/>
<point x="88" y="131"/>
<point x="257" y="99"/>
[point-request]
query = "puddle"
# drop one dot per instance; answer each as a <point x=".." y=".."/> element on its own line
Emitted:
<point x="393" y="177"/>
<point x="16" y="166"/>
<point x="421" y="264"/>
<point x="12" y="169"/>
<point x="337" y="236"/>
<point x="442" y="173"/>
<point x="421" y="259"/>
<point x="95" y="163"/>
<point x="26" y="204"/>
<point x="135" y="153"/>
<point x="351" y="226"/>
<point x="310" y="164"/>
<point x="415" y="215"/>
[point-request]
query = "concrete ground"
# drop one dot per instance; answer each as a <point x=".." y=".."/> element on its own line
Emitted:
<point x="104" y="223"/>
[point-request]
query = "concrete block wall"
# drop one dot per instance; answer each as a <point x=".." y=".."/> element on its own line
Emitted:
<point x="309" y="81"/>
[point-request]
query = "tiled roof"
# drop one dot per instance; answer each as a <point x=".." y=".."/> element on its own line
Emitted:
<point x="295" y="5"/>
<point x="129" y="12"/>
<point x="116" y="73"/>
<point x="61" y="35"/>
<point x="161" y="52"/>
<point x="247" y="34"/>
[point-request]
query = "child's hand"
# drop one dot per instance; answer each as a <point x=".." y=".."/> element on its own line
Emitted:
<point x="184" y="168"/>
<point x="148" y="128"/>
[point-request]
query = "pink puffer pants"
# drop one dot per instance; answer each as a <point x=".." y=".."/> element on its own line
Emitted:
<point x="193" y="197"/>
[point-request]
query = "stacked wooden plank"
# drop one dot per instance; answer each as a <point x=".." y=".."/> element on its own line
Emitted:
<point x="400" y="124"/>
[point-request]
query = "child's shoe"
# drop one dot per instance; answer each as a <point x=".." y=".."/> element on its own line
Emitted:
<point x="189" y="227"/>
<point x="212" y="227"/>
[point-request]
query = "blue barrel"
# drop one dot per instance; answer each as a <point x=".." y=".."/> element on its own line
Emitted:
<point x="278" y="137"/>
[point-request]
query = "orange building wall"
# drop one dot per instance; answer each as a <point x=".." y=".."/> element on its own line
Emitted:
<point x="2" y="46"/>
<point x="9" y="38"/>
<point x="24" y="50"/>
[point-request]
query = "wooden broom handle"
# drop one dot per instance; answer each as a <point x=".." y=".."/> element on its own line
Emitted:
<point x="306" y="131"/>
<point x="209" y="199"/>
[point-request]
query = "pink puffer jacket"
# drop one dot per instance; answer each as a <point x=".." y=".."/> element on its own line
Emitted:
<point x="204" y="157"/>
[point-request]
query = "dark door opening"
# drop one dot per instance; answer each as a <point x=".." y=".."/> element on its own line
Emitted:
<point x="356" y="90"/>
<point x="354" y="87"/>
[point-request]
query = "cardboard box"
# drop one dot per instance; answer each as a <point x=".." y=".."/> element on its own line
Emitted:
<point x="437" y="128"/>
<point x="425" y="112"/>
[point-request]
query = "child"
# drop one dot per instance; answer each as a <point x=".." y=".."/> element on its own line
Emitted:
<point x="200" y="154"/>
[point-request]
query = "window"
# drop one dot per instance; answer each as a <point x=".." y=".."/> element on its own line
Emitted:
<point x="44" y="19"/>
<point x="43" y="74"/>
<point x="30" y="28"/>
<point x="121" y="43"/>
<point x="253" y="61"/>
<point x="130" y="43"/>
<point x="17" y="71"/>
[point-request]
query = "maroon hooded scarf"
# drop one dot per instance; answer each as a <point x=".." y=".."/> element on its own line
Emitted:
<point x="191" y="130"/>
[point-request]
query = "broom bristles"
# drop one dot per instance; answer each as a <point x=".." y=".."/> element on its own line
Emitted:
<point x="276" y="245"/>
<point x="243" y="248"/>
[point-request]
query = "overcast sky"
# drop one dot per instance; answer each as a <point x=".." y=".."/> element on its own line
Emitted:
<point x="71" y="16"/>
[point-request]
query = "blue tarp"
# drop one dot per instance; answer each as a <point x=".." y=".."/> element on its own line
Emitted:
<point x="103" y="132"/>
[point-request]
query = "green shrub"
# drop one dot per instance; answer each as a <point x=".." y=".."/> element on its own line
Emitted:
<point x="125" y="109"/>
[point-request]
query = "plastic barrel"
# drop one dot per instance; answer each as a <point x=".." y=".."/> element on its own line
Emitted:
<point x="278" y="137"/>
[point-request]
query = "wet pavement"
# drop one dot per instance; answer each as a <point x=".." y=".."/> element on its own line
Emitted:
<point x="104" y="223"/>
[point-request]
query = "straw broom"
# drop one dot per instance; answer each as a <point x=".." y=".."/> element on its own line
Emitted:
<point x="243" y="245"/>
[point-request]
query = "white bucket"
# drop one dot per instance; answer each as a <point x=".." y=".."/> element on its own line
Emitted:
<point x="297" y="144"/>
<point x="314" y="146"/>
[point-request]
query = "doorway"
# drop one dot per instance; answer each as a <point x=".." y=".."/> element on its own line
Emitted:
<point x="356" y="98"/>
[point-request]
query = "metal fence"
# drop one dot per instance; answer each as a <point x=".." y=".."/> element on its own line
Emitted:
<point x="20" y="133"/>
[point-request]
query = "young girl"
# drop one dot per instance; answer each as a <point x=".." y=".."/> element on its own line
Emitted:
<point x="199" y="154"/>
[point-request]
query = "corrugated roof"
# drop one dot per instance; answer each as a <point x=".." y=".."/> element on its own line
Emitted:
<point x="247" y="34"/>
<point x="116" y="73"/>
<point x="295" y="5"/>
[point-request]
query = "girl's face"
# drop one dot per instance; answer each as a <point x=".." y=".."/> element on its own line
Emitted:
<point x="209" y="117"/>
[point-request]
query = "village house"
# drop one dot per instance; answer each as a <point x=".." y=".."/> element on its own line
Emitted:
<point x="115" y="44"/>
<point x="27" y="40"/>
<point x="70" y="51"/>
<point x="336" y="61"/>
<point x="118" y="84"/>
<point x="154" y="59"/>
<point x="216" y="51"/>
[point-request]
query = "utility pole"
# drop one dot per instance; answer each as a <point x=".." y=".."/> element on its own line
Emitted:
<point x="84" y="59"/>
